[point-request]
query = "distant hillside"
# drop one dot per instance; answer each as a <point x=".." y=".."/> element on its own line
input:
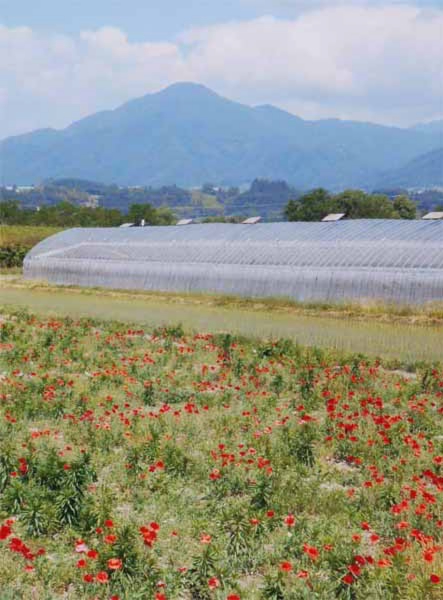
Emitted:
<point x="424" y="171"/>
<point x="432" y="127"/>
<point x="188" y="135"/>
<point x="263" y="198"/>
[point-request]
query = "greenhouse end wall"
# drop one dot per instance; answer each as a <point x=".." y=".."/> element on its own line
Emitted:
<point x="392" y="261"/>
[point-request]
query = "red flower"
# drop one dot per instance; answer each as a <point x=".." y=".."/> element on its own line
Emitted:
<point x="355" y="570"/>
<point x="290" y="520"/>
<point x="111" y="539"/>
<point x="160" y="596"/>
<point x="109" y="523"/>
<point x="102" y="577"/>
<point x="92" y="554"/>
<point x="233" y="597"/>
<point x="434" y="578"/>
<point x="81" y="564"/>
<point x="348" y="579"/>
<point x="88" y="578"/>
<point x="114" y="564"/>
<point x="311" y="551"/>
<point x="286" y="566"/>
<point x="303" y="574"/>
<point x="213" y="583"/>
<point x="5" y="531"/>
<point x="428" y="555"/>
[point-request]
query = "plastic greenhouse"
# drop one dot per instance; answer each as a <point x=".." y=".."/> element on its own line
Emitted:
<point x="390" y="260"/>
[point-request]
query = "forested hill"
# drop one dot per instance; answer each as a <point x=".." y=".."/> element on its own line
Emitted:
<point x="425" y="170"/>
<point x="187" y="134"/>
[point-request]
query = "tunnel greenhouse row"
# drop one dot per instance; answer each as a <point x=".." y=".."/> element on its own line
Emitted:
<point x="389" y="260"/>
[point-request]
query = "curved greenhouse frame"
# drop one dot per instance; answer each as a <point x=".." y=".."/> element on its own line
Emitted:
<point x="390" y="260"/>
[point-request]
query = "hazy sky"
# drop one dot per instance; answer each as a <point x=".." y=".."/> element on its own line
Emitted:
<point x="366" y="60"/>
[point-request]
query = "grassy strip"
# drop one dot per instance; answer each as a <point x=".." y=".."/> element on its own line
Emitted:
<point x="430" y="314"/>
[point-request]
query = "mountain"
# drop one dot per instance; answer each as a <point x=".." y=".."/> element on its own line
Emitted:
<point x="432" y="127"/>
<point x="424" y="171"/>
<point x="188" y="135"/>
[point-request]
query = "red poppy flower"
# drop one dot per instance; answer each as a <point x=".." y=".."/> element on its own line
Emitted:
<point x="286" y="566"/>
<point x="311" y="551"/>
<point x="290" y="520"/>
<point x="213" y="583"/>
<point x="114" y="564"/>
<point x="355" y="570"/>
<point x="102" y="577"/>
<point x="434" y="578"/>
<point x="303" y="574"/>
<point x="111" y="539"/>
<point x="5" y="531"/>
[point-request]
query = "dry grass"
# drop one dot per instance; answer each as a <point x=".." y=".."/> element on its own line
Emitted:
<point x="23" y="235"/>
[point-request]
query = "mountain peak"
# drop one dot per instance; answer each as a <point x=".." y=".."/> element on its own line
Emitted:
<point x="189" y="88"/>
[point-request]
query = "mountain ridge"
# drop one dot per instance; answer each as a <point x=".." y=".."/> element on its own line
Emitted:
<point x="188" y="134"/>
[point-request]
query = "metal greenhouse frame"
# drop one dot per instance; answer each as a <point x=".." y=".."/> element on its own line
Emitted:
<point x="390" y="260"/>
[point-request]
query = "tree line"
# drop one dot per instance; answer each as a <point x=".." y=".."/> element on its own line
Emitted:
<point x="355" y="204"/>
<point x="66" y="214"/>
<point x="312" y="206"/>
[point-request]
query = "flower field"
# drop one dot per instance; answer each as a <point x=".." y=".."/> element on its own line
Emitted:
<point x="161" y="464"/>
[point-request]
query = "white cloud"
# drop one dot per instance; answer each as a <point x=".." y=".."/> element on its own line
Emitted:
<point x="383" y="63"/>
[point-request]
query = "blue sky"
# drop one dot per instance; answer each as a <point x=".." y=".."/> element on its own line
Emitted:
<point x="153" y="19"/>
<point x="365" y="60"/>
<point x="140" y="19"/>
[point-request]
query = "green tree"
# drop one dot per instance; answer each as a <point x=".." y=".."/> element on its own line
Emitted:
<point x="152" y="216"/>
<point x="313" y="206"/>
<point x="356" y="204"/>
<point x="405" y="207"/>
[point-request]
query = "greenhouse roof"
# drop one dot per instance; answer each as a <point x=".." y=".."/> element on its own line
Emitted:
<point x="370" y="243"/>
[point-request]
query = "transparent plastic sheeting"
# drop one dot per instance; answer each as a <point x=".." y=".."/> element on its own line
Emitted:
<point x="391" y="260"/>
